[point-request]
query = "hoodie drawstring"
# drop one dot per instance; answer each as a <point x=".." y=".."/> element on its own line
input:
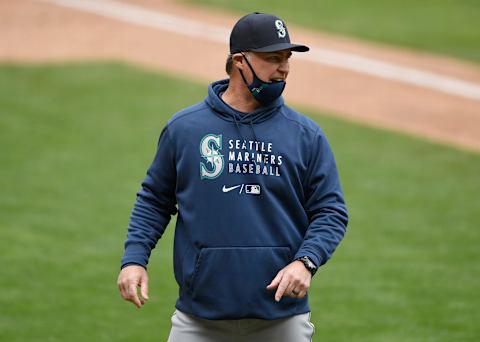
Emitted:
<point x="243" y="138"/>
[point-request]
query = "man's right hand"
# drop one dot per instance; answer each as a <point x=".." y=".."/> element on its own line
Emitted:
<point x="130" y="278"/>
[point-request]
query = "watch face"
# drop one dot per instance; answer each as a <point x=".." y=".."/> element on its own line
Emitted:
<point x="309" y="264"/>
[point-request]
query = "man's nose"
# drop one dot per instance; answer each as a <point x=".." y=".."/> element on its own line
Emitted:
<point x="284" y="67"/>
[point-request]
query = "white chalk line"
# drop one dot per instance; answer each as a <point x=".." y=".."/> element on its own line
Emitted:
<point x="141" y="16"/>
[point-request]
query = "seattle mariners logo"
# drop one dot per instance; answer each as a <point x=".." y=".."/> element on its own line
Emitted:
<point x="282" y="32"/>
<point x="210" y="147"/>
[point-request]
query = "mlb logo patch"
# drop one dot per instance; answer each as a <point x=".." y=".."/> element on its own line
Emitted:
<point x="252" y="189"/>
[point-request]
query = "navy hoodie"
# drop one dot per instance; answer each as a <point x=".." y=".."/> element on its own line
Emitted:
<point x="253" y="192"/>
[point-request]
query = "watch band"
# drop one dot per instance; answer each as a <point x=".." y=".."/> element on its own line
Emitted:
<point x="308" y="263"/>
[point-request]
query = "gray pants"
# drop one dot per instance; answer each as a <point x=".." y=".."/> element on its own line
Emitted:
<point x="187" y="328"/>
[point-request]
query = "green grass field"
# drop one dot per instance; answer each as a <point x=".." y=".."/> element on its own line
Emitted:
<point x="75" y="143"/>
<point x="442" y="26"/>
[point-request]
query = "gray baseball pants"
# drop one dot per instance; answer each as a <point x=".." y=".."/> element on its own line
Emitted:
<point x="187" y="328"/>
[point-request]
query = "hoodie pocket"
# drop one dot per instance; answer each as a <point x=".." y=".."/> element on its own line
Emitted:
<point x="230" y="282"/>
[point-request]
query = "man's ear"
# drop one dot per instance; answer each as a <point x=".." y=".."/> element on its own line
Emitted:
<point x="238" y="61"/>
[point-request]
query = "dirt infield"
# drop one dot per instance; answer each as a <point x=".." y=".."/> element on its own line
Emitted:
<point x="40" y="31"/>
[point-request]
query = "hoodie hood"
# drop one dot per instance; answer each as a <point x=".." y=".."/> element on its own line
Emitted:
<point x="223" y="110"/>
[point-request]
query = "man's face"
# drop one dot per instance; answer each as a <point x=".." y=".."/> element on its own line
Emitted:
<point x="269" y="66"/>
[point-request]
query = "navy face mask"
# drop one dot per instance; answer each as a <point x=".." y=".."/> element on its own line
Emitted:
<point x="264" y="92"/>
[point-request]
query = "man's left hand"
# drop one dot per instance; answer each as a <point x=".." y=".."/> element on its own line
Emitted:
<point x="291" y="281"/>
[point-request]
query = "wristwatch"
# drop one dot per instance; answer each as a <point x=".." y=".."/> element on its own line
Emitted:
<point x="308" y="263"/>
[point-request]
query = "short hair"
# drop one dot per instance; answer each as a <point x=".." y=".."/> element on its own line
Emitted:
<point x="229" y="64"/>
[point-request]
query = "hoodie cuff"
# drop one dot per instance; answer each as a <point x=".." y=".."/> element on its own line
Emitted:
<point x="312" y="257"/>
<point x="136" y="254"/>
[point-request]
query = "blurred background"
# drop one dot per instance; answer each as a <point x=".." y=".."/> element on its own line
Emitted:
<point x="87" y="86"/>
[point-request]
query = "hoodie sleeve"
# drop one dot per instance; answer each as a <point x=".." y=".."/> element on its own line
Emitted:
<point x="324" y="205"/>
<point x="154" y="206"/>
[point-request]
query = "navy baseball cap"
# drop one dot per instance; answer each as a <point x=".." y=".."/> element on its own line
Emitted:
<point x="261" y="32"/>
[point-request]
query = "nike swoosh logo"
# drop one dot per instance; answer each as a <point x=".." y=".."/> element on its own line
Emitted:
<point x="225" y="189"/>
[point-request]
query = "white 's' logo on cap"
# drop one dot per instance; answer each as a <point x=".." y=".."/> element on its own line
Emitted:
<point x="282" y="32"/>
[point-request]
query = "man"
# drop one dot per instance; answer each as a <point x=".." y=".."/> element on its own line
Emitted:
<point x="259" y="202"/>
